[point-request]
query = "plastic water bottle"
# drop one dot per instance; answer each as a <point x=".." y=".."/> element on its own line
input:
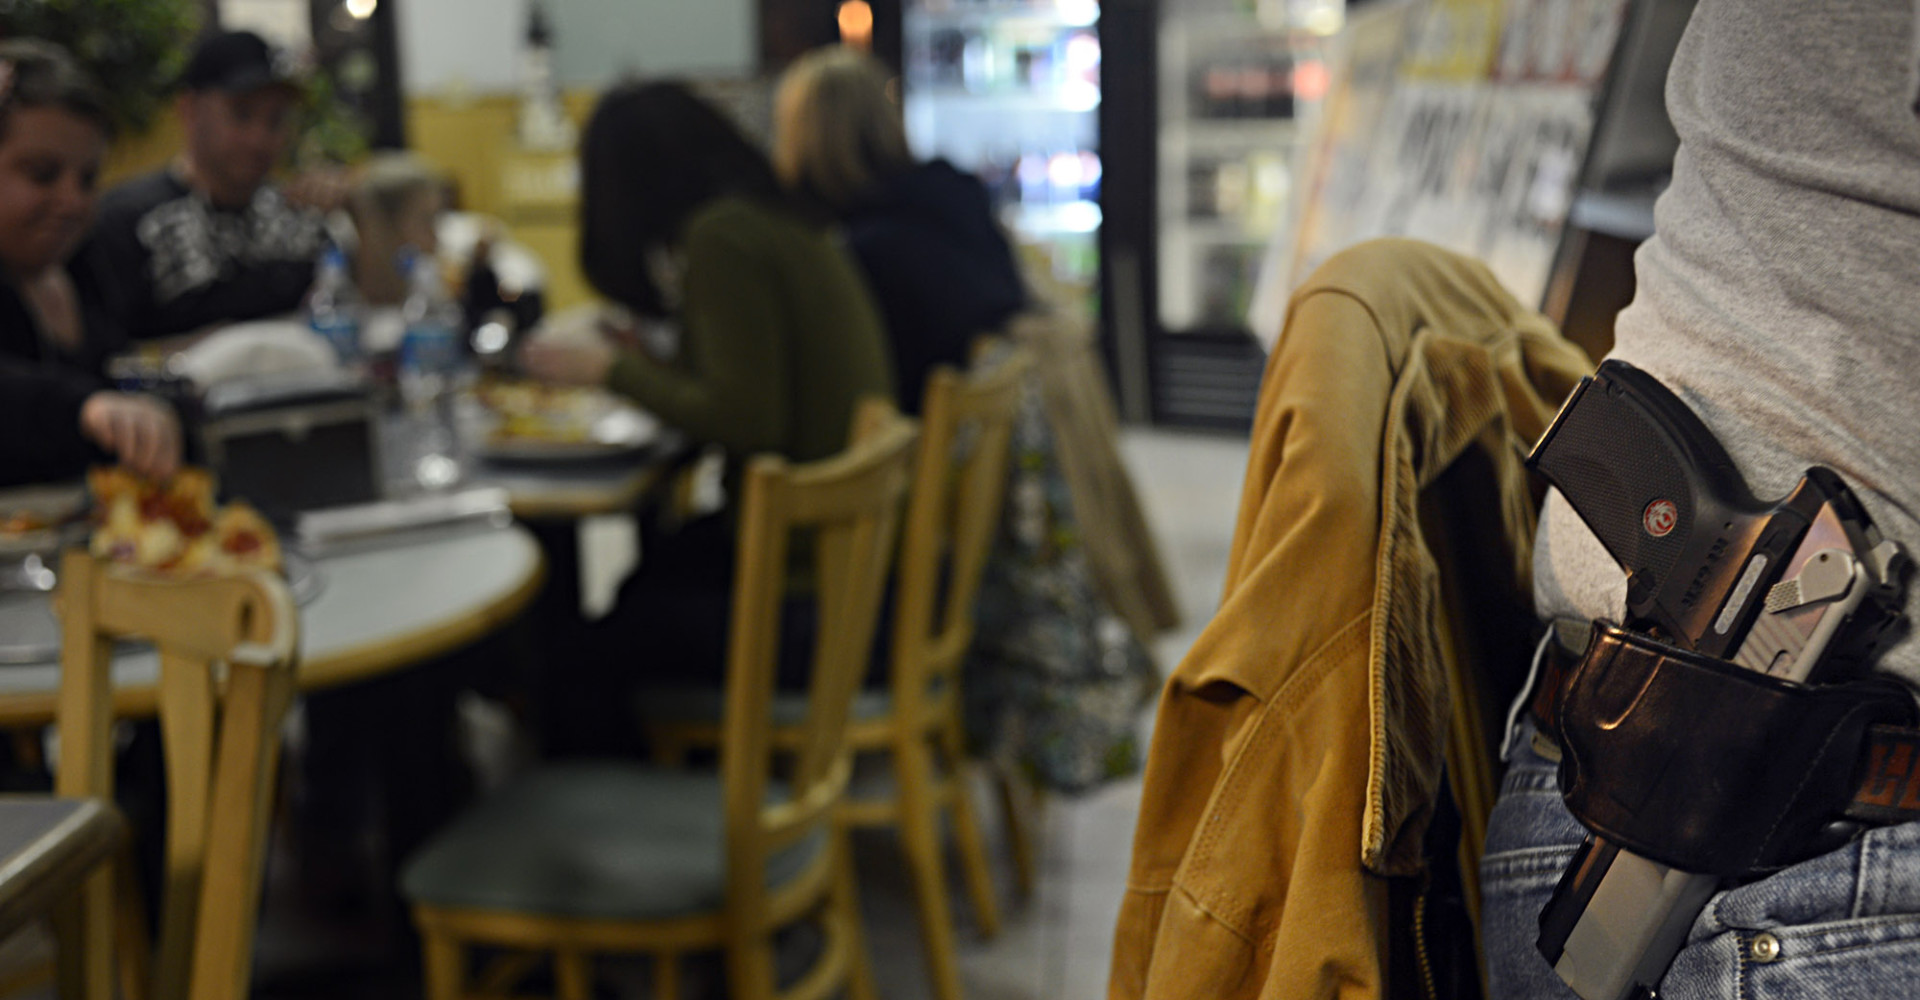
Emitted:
<point x="333" y="309"/>
<point x="429" y="361"/>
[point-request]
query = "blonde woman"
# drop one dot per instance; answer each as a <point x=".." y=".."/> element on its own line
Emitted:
<point x="923" y="233"/>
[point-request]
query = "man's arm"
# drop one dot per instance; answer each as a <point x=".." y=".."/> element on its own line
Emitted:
<point x="244" y="291"/>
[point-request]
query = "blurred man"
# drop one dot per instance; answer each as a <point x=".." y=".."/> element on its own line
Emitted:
<point x="209" y="239"/>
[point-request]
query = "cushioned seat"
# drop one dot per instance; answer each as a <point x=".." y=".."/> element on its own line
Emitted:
<point x="690" y="704"/>
<point x="600" y="840"/>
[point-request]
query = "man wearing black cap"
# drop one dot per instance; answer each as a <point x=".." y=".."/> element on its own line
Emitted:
<point x="208" y="240"/>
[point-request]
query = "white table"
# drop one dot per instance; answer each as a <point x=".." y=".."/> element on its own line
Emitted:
<point x="379" y="610"/>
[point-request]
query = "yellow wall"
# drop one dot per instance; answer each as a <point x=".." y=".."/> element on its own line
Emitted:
<point x="534" y="193"/>
<point x="133" y="155"/>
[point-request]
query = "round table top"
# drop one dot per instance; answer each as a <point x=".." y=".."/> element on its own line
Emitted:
<point x="378" y="610"/>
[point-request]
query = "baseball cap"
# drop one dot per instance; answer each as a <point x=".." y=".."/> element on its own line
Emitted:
<point x="238" y="61"/>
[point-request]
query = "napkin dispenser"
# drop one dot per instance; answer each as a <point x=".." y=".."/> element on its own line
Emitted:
<point x="294" y="442"/>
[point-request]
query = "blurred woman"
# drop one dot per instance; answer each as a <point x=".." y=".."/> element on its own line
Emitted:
<point x="778" y="341"/>
<point x="683" y="220"/>
<point x="56" y="414"/>
<point x="924" y="233"/>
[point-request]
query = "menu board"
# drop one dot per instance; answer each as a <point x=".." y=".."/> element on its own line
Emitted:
<point x="1459" y="122"/>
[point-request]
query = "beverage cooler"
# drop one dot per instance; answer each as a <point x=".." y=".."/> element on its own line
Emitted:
<point x="1142" y="153"/>
<point x="1236" y="87"/>
<point x="1010" y="90"/>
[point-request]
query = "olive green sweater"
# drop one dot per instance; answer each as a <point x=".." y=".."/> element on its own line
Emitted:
<point x="779" y="339"/>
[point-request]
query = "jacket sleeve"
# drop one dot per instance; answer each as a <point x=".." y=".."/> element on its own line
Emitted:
<point x="41" y="410"/>
<point x="730" y="384"/>
<point x="243" y="289"/>
<point x="115" y="273"/>
<point x="1246" y="879"/>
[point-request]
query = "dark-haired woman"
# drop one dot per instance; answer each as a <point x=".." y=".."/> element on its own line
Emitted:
<point x="56" y="413"/>
<point x="778" y="342"/>
<point x="683" y="220"/>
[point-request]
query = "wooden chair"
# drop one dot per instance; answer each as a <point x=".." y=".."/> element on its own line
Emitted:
<point x="959" y="476"/>
<point x="227" y="648"/>
<point x="590" y="858"/>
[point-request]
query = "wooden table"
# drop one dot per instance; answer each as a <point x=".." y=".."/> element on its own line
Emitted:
<point x="378" y="610"/>
<point x="562" y="492"/>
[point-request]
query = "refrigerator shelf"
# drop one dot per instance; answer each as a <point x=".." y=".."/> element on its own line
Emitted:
<point x="1013" y="100"/>
<point x="1064" y="15"/>
<point x="1063" y="219"/>
<point x="1225" y="232"/>
<point x="1232" y="130"/>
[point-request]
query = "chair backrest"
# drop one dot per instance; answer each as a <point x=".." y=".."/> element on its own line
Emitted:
<point x="850" y="507"/>
<point x="966" y="434"/>
<point x="227" y="647"/>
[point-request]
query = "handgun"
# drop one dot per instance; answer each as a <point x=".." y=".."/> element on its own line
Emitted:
<point x="1803" y="588"/>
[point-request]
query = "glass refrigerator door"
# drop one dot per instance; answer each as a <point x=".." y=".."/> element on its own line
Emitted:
<point x="1009" y="90"/>
<point x="1233" y="96"/>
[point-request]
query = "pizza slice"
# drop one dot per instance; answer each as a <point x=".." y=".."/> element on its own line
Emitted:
<point x="174" y="526"/>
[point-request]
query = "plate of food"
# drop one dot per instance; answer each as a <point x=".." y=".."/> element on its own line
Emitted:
<point x="36" y="520"/>
<point x="525" y="421"/>
<point x="172" y="528"/>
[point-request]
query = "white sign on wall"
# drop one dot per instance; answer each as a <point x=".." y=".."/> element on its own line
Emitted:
<point x="283" y="22"/>
<point x="474" y="45"/>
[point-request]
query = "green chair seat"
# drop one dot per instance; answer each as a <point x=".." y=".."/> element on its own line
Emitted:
<point x="600" y="840"/>
<point x="692" y="704"/>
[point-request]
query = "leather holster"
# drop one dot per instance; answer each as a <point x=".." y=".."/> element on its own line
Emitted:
<point x="1706" y="766"/>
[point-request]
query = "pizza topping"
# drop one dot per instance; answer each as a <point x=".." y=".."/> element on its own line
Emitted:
<point x="22" y="522"/>
<point x="175" y="527"/>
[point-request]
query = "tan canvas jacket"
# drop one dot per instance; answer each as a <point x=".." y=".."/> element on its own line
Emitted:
<point x="1298" y="747"/>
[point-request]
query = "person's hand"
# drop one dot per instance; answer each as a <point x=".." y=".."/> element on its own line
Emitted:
<point x="567" y="361"/>
<point x="323" y="189"/>
<point x="140" y="430"/>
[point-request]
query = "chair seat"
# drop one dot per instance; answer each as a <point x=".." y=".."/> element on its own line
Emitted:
<point x="691" y="704"/>
<point x="601" y="840"/>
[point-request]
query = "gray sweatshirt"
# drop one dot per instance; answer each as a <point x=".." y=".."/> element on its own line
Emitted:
<point x="1780" y="296"/>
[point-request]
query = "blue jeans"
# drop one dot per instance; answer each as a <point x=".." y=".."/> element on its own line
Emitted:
<point x="1847" y="924"/>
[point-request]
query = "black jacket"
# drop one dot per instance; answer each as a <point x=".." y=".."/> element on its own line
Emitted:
<point x="938" y="265"/>
<point x="178" y="264"/>
<point x="41" y="391"/>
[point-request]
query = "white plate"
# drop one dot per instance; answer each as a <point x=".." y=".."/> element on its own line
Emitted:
<point x="53" y="503"/>
<point x="617" y="428"/>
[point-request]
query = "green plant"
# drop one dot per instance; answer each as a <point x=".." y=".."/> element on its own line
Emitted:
<point x="134" y="48"/>
<point x="331" y="131"/>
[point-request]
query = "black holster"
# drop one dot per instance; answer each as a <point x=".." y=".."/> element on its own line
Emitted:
<point x="1706" y="766"/>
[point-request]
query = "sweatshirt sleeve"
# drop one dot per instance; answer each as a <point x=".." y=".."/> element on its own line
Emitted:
<point x="730" y="383"/>
<point x="114" y="271"/>
<point x="41" y="411"/>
